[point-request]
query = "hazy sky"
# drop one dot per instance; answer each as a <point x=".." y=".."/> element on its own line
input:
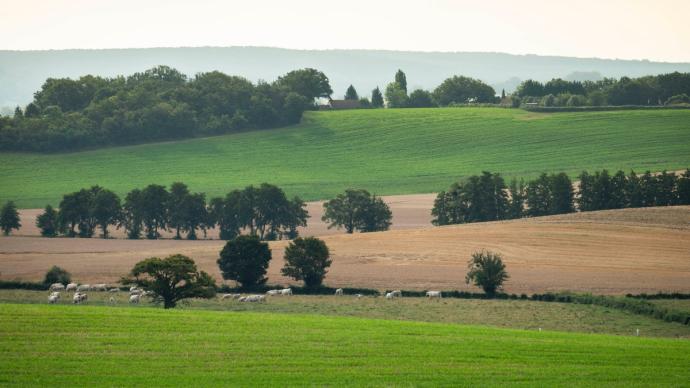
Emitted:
<point x="627" y="29"/>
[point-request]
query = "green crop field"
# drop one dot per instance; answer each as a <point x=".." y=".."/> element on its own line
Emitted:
<point x="94" y="346"/>
<point x="512" y="314"/>
<point x="388" y="151"/>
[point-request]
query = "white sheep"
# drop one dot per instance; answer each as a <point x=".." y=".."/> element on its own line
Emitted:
<point x="135" y="298"/>
<point x="83" y="287"/>
<point x="71" y="287"/>
<point x="286" y="291"/>
<point x="57" y="287"/>
<point x="339" y="292"/>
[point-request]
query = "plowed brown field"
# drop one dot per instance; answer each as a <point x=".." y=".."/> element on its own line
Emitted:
<point x="610" y="252"/>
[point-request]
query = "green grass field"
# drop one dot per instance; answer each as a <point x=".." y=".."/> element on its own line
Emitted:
<point x="385" y="151"/>
<point x="511" y="314"/>
<point x="90" y="346"/>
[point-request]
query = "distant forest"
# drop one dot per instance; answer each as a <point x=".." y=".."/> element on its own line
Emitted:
<point x="158" y="104"/>
<point x="164" y="104"/>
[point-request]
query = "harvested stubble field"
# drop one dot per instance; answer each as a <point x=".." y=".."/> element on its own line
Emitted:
<point x="387" y="151"/>
<point x="610" y="252"/>
<point x="512" y="314"/>
<point x="90" y="346"/>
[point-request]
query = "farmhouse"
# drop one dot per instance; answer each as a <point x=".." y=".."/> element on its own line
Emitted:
<point x="341" y="104"/>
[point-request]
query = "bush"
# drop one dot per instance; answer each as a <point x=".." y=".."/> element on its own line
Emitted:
<point x="57" y="275"/>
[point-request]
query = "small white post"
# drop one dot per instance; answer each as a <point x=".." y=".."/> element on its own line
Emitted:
<point x="540" y="329"/>
<point x="637" y="332"/>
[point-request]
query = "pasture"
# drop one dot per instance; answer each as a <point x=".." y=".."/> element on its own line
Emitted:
<point x="635" y="251"/>
<point x="391" y="151"/>
<point x="64" y="345"/>
<point x="512" y="314"/>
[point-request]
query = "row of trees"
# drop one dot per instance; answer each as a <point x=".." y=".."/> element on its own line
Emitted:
<point x="158" y="104"/>
<point x="454" y="90"/>
<point x="264" y="211"/>
<point x="669" y="89"/>
<point x="487" y="197"/>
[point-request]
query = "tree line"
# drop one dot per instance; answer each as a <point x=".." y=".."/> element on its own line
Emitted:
<point x="663" y="89"/>
<point x="454" y="90"/>
<point x="486" y="197"/>
<point x="264" y="211"/>
<point x="158" y="104"/>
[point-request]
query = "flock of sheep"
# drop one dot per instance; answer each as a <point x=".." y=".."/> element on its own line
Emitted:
<point x="135" y="294"/>
<point x="80" y="296"/>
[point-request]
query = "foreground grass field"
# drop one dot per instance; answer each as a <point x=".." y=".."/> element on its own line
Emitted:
<point x="513" y="314"/>
<point x="89" y="346"/>
<point x="386" y="151"/>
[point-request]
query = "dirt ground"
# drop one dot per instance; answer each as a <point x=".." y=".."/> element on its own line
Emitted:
<point x="608" y="252"/>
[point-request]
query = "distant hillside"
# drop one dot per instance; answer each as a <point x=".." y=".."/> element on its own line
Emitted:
<point x="23" y="72"/>
<point x="387" y="151"/>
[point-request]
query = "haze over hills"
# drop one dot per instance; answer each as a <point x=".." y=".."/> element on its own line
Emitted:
<point x="23" y="72"/>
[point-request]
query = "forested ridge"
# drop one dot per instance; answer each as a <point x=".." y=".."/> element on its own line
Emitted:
<point x="158" y="104"/>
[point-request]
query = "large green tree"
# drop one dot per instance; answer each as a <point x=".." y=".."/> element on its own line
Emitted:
<point x="9" y="218"/>
<point x="172" y="279"/>
<point x="308" y="82"/>
<point x="106" y="209"/>
<point x="376" y="98"/>
<point x="486" y="270"/>
<point x="176" y="207"/>
<point x="47" y="222"/>
<point x="351" y="93"/>
<point x="396" y="97"/>
<point x="307" y="259"/>
<point x="401" y="80"/>
<point x="357" y="210"/>
<point x="245" y="260"/>
<point x="154" y="200"/>
<point x="460" y="90"/>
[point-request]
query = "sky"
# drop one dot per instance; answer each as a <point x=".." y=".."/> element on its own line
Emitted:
<point x="656" y="30"/>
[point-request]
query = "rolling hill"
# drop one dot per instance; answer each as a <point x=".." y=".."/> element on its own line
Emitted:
<point x="616" y="252"/>
<point x="385" y="151"/>
<point x="83" y="345"/>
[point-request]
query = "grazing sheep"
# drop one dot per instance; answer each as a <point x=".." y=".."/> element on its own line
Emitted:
<point x="100" y="287"/>
<point x="52" y="299"/>
<point x="339" y="292"/>
<point x="71" y="287"/>
<point x="397" y="293"/>
<point x="273" y="292"/>
<point x="434" y="294"/>
<point x="133" y="288"/>
<point x="57" y="287"/>
<point x="253" y="298"/>
<point x="230" y="296"/>
<point x="136" y="291"/>
<point x="78" y="298"/>
<point x="135" y="298"/>
<point x="83" y="287"/>
<point x="113" y="290"/>
<point x="286" y="291"/>
<point x="390" y="295"/>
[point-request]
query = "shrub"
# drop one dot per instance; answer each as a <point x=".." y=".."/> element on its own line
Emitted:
<point x="486" y="270"/>
<point x="57" y="275"/>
